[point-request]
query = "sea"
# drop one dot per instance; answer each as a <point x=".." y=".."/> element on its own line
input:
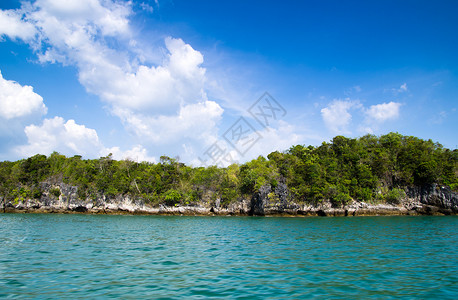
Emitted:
<point x="72" y="256"/>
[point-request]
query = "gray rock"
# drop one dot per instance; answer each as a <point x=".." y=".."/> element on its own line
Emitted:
<point x="426" y="200"/>
<point x="259" y="201"/>
<point x="434" y="195"/>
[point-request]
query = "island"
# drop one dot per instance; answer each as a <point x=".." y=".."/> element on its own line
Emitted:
<point x="390" y="174"/>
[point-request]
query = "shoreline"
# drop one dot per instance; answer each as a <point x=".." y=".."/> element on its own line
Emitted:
<point x="429" y="200"/>
<point x="372" y="210"/>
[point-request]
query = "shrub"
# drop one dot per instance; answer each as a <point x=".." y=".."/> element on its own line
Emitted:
<point x="340" y="199"/>
<point x="228" y="195"/>
<point x="338" y="195"/>
<point x="37" y="193"/>
<point x="190" y="197"/>
<point x="55" y="192"/>
<point x="395" y="195"/>
<point x="81" y="193"/>
<point x="172" y="197"/>
<point x="111" y="192"/>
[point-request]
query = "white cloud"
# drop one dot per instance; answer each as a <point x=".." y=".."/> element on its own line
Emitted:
<point x="146" y="7"/>
<point x="138" y="153"/>
<point x="384" y="111"/>
<point x="275" y="139"/>
<point x="402" y="89"/>
<point x="162" y="103"/>
<point x="87" y="15"/>
<point x="156" y="90"/>
<point x="262" y="142"/>
<point x="81" y="32"/>
<point x="197" y="121"/>
<point x="336" y="115"/>
<point x="70" y="138"/>
<point x="67" y="138"/>
<point x="14" y="26"/>
<point x="19" y="101"/>
<point x="366" y="129"/>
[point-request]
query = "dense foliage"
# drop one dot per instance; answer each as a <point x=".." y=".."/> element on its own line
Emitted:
<point x="368" y="169"/>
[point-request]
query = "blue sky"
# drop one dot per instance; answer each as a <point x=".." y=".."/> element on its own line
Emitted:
<point x="141" y="79"/>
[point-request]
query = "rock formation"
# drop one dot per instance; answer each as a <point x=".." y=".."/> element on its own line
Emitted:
<point x="424" y="200"/>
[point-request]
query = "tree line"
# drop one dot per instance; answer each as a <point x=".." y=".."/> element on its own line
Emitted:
<point x="369" y="168"/>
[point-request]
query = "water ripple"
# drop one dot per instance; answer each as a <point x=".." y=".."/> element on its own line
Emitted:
<point x="83" y="256"/>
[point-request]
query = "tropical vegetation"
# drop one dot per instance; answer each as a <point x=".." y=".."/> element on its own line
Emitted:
<point x="369" y="168"/>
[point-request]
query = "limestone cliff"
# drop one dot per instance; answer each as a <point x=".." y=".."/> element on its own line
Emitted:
<point x="429" y="200"/>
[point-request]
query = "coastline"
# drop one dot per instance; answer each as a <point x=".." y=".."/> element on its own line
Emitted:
<point x="425" y="200"/>
<point x="354" y="210"/>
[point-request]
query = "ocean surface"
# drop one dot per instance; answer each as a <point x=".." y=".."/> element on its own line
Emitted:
<point x="172" y="257"/>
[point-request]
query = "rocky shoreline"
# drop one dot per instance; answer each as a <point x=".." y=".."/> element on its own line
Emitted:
<point x="427" y="200"/>
<point x="363" y="210"/>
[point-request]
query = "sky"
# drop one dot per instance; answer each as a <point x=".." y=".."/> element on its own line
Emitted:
<point x="218" y="82"/>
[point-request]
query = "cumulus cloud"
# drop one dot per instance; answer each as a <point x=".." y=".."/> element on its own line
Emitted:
<point x="337" y="116"/>
<point x="197" y="121"/>
<point x="377" y="114"/>
<point x="80" y="33"/>
<point x="161" y="102"/>
<point x="70" y="138"/>
<point x="65" y="137"/>
<point x="13" y="25"/>
<point x="164" y="89"/>
<point x="19" y="101"/>
<point x="110" y="17"/>
<point x="384" y="111"/>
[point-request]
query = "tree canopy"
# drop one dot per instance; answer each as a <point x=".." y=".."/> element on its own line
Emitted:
<point x="369" y="168"/>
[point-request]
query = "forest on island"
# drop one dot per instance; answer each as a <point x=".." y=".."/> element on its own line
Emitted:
<point x="370" y="168"/>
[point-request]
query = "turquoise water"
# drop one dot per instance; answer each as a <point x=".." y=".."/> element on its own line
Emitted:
<point x="85" y="256"/>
